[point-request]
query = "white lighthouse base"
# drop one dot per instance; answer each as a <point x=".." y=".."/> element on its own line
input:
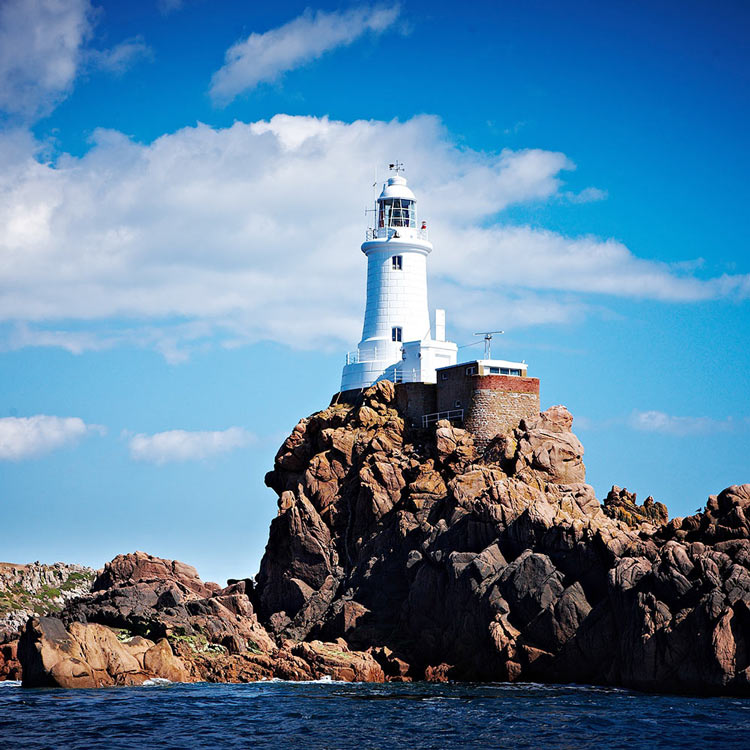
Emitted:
<point x="418" y="363"/>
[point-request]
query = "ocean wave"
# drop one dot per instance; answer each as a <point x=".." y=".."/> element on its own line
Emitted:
<point x="156" y="682"/>
<point x="10" y="683"/>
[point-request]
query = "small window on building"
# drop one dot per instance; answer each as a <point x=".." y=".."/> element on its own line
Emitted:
<point x="457" y="403"/>
<point x="494" y="370"/>
<point x="443" y="376"/>
<point x="516" y="372"/>
<point x="397" y="261"/>
<point x="504" y="371"/>
<point x="396" y="333"/>
<point x="471" y="370"/>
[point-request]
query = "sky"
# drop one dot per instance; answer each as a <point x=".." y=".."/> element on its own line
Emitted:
<point x="183" y="189"/>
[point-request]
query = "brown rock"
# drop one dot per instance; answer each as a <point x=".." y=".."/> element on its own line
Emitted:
<point x="90" y="656"/>
<point x="10" y="667"/>
<point x="334" y="660"/>
<point x="621" y="505"/>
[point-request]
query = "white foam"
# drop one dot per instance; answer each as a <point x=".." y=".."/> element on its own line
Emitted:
<point x="156" y="681"/>
<point x="10" y="683"/>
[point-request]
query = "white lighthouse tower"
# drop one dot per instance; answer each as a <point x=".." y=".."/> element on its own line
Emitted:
<point x="397" y="341"/>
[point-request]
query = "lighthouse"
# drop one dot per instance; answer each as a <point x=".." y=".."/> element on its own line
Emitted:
<point x="397" y="339"/>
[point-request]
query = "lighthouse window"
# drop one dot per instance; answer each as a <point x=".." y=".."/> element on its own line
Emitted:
<point x="396" y="333"/>
<point x="397" y="262"/>
<point x="397" y="212"/>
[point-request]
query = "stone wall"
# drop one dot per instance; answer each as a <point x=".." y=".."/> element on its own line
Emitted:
<point x="416" y="400"/>
<point x="492" y="411"/>
<point x="492" y="403"/>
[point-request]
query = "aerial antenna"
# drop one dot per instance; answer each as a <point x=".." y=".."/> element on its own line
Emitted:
<point x="488" y="341"/>
<point x="397" y="166"/>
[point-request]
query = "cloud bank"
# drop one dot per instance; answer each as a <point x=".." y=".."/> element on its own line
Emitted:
<point x="264" y="57"/>
<point x="28" y="437"/>
<point x="183" y="445"/>
<point x="252" y="233"/>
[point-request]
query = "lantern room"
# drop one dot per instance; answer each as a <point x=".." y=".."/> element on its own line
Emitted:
<point x="397" y="204"/>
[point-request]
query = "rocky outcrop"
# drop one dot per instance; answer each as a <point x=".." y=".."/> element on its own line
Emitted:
<point x="37" y="589"/>
<point x="622" y="505"/>
<point x="401" y="554"/>
<point x="149" y="617"/>
<point x="10" y="667"/>
<point x="88" y="656"/>
<point x="502" y="565"/>
<point x="156" y="598"/>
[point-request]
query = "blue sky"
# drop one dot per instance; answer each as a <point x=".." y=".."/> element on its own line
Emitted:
<point x="184" y="186"/>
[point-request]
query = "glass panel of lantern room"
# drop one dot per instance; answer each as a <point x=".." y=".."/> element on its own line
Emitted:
<point x="397" y="220"/>
<point x="383" y="213"/>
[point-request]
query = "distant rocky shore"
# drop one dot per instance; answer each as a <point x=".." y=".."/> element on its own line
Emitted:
<point x="404" y="554"/>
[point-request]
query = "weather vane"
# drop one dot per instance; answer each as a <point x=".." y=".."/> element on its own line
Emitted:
<point x="397" y="166"/>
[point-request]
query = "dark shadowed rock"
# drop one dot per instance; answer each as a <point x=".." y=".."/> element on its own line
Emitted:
<point x="500" y="566"/>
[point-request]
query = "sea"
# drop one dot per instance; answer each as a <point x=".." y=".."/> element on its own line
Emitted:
<point x="338" y="716"/>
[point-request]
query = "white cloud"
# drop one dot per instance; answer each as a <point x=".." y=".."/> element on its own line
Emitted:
<point x="252" y="233"/>
<point x="44" y="47"/>
<point x="659" y="421"/>
<point x="40" y="51"/>
<point x="587" y="195"/>
<point x="121" y="57"/>
<point x="183" y="445"/>
<point x="26" y="437"/>
<point x="264" y="57"/>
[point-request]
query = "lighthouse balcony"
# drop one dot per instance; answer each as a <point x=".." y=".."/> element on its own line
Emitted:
<point x="405" y="232"/>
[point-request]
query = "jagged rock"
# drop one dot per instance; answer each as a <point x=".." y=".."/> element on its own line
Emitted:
<point x="621" y="505"/>
<point x="87" y="656"/>
<point x="336" y="661"/>
<point x="158" y="598"/>
<point x="500" y="566"/>
<point x="139" y="566"/>
<point x="437" y="562"/>
<point x="10" y="667"/>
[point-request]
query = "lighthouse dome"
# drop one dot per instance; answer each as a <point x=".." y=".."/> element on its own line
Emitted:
<point x="396" y="188"/>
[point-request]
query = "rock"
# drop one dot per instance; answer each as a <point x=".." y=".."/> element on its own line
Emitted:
<point x="547" y="447"/>
<point x="156" y="598"/>
<point x="499" y="566"/>
<point x="401" y="553"/>
<point x="621" y="505"/>
<point x="10" y="667"/>
<point x="88" y="656"/>
<point x="161" y="662"/>
<point x="139" y="566"/>
<point x="334" y="660"/>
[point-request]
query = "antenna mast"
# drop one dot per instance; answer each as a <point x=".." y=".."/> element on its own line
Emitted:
<point x="488" y="341"/>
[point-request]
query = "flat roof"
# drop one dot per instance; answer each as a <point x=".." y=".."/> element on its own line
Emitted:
<point x="489" y="363"/>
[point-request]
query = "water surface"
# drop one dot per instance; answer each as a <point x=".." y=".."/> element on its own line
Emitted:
<point x="339" y="716"/>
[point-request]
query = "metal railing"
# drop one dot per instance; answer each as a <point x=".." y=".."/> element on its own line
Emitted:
<point x="380" y="233"/>
<point x="405" y="376"/>
<point x="428" y="419"/>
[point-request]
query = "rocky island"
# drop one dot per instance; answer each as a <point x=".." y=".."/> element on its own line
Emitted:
<point x="403" y="553"/>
